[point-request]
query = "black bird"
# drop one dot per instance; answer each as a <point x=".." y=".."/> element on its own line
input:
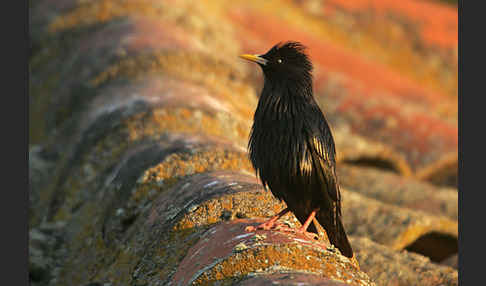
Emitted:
<point x="291" y="145"/>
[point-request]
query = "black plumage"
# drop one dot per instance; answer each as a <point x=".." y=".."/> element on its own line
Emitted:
<point x="291" y="145"/>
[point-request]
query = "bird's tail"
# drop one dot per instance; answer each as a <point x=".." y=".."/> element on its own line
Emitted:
<point x="341" y="240"/>
<point x="337" y="235"/>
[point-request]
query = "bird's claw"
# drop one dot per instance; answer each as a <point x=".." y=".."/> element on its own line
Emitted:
<point x="309" y="235"/>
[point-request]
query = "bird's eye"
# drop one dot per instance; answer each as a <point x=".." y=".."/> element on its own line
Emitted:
<point x="279" y="61"/>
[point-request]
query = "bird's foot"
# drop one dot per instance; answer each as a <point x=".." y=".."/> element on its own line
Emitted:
<point x="303" y="229"/>
<point x="268" y="225"/>
<point x="283" y="228"/>
<point x="300" y="230"/>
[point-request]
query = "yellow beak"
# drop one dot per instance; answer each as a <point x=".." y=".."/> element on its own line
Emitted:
<point x="254" y="58"/>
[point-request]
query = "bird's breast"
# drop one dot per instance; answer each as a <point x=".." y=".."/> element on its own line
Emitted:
<point x="279" y="146"/>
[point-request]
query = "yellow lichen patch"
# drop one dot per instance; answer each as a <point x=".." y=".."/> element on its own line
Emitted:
<point x="195" y="67"/>
<point x="284" y="256"/>
<point x="182" y="164"/>
<point x="166" y="174"/>
<point x="183" y="120"/>
<point x="243" y="204"/>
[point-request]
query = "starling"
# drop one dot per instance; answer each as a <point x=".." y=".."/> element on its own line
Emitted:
<point x="291" y="145"/>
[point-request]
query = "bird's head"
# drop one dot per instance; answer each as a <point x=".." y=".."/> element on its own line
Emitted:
<point x="284" y="61"/>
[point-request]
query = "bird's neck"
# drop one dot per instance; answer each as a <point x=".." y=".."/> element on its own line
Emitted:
<point x="286" y="95"/>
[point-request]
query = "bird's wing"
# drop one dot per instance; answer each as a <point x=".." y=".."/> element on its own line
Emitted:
<point x="324" y="165"/>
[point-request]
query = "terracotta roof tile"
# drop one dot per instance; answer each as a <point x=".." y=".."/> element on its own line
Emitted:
<point x="142" y="111"/>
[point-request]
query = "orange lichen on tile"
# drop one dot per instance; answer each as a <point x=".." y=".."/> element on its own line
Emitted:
<point x="178" y="164"/>
<point x="439" y="22"/>
<point x="264" y="257"/>
<point x="227" y="253"/>
<point x="242" y="204"/>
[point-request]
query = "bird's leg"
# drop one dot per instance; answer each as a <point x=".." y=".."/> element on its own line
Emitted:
<point x="308" y="221"/>
<point x="303" y="228"/>
<point x="269" y="224"/>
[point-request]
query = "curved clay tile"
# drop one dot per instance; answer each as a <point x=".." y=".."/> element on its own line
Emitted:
<point x="402" y="268"/>
<point x="391" y="188"/>
<point x="399" y="228"/>
<point x="227" y="252"/>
